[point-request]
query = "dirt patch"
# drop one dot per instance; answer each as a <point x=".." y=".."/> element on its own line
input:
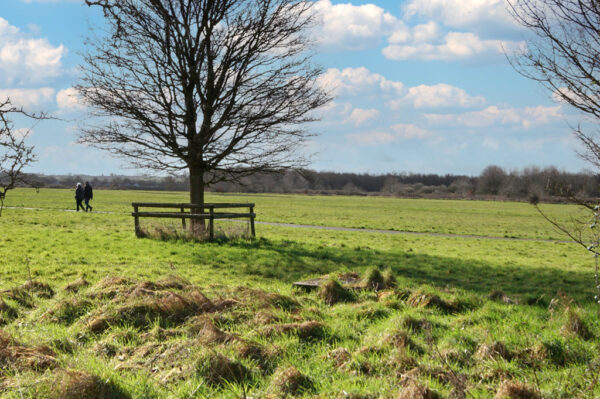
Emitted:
<point x="306" y="330"/>
<point x="74" y="384"/>
<point x="516" y="390"/>
<point x="290" y="381"/>
<point x="332" y="292"/>
<point x="422" y="299"/>
<point x="17" y="356"/>
<point x="76" y="285"/>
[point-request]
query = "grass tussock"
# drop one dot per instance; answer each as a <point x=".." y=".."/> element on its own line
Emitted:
<point x="339" y="356"/>
<point x="260" y="299"/>
<point x="290" y="382"/>
<point x="516" y="390"/>
<point x="332" y="292"/>
<point x="412" y="389"/>
<point x="77" y="285"/>
<point x="15" y="356"/>
<point x="499" y="296"/>
<point x="576" y="325"/>
<point x="218" y="369"/>
<point x="7" y="313"/>
<point x="75" y="384"/>
<point x="494" y="350"/>
<point x="423" y="299"/>
<point x="306" y="330"/>
<point x="68" y="310"/>
<point x="374" y="280"/>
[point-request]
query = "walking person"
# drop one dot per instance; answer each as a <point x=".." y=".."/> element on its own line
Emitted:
<point x="79" y="197"/>
<point x="88" y="194"/>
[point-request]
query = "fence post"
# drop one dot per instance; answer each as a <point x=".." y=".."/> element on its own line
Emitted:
<point x="212" y="222"/>
<point x="252" y="222"/>
<point x="183" y="219"/>
<point x="136" y="222"/>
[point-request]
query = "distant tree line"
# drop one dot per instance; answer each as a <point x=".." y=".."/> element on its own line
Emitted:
<point x="493" y="182"/>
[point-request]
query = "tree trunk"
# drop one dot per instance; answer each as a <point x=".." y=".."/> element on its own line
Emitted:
<point x="197" y="198"/>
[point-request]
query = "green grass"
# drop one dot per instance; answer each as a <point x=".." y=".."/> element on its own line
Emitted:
<point x="362" y="347"/>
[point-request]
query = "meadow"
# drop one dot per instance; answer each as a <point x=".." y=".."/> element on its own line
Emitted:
<point x="93" y="311"/>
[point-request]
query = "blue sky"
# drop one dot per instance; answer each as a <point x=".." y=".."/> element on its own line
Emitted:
<point x="420" y="86"/>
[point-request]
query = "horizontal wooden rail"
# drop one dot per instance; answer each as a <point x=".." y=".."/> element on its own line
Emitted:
<point x="183" y="215"/>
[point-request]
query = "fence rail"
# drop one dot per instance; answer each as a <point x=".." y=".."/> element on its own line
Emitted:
<point x="211" y="215"/>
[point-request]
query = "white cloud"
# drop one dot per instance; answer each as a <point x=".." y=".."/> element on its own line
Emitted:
<point x="360" y="116"/>
<point x="399" y="132"/>
<point x="479" y="15"/>
<point x="437" y="96"/>
<point x="454" y="46"/>
<point x="358" y="81"/>
<point x="372" y="137"/>
<point x="28" y="98"/>
<point x="69" y="99"/>
<point x="409" y="131"/>
<point x="493" y="116"/>
<point x="491" y="144"/>
<point x="24" y="59"/>
<point x="22" y="133"/>
<point x="350" y="27"/>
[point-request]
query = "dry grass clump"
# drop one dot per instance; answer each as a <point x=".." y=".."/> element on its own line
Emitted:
<point x="374" y="279"/>
<point x="576" y="325"/>
<point x="37" y="288"/>
<point x="16" y="356"/>
<point x="416" y="325"/>
<point x="499" y="296"/>
<point x="428" y="300"/>
<point x="339" y="356"/>
<point x="400" y="340"/>
<point x="218" y="369"/>
<point x="516" y="390"/>
<point x="263" y="300"/>
<point x="290" y="381"/>
<point x="207" y="333"/>
<point x="332" y="292"/>
<point x="68" y="310"/>
<point x="492" y="351"/>
<point x="109" y="287"/>
<point x="76" y="285"/>
<point x="147" y="306"/>
<point x="307" y="330"/>
<point x="401" y="361"/>
<point x="75" y="384"/>
<point x="412" y="389"/>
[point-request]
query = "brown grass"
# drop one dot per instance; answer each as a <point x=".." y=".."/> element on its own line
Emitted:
<point x="516" y="390"/>
<point x="492" y="351"/>
<point x="16" y="356"/>
<point x="260" y="299"/>
<point x="290" y="381"/>
<point x="339" y="356"/>
<point x="427" y="300"/>
<point x="76" y="285"/>
<point x="332" y="292"/>
<point x="412" y="389"/>
<point x="74" y="384"/>
<point x="306" y="330"/>
<point x="218" y="369"/>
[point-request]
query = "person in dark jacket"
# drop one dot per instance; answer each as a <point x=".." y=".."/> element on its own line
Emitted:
<point x="79" y="197"/>
<point x="88" y="194"/>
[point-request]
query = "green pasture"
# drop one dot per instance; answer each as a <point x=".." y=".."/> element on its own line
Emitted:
<point x="542" y="293"/>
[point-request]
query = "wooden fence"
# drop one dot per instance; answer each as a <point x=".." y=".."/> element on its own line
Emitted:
<point x="211" y="215"/>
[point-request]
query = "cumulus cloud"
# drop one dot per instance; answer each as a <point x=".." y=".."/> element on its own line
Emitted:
<point x="358" y="81"/>
<point x="24" y="59"/>
<point x="437" y="96"/>
<point x="454" y="46"/>
<point x="28" y="98"/>
<point x="477" y="15"/>
<point x="350" y="27"/>
<point x="361" y="116"/>
<point x="398" y="132"/>
<point x="69" y="99"/>
<point x="494" y="116"/>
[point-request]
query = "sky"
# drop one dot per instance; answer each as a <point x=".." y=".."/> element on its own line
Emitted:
<point x="420" y="86"/>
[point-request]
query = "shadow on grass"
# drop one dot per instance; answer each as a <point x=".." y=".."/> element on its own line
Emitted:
<point x="290" y="261"/>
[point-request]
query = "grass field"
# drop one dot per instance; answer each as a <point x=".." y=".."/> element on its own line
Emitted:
<point x="149" y="318"/>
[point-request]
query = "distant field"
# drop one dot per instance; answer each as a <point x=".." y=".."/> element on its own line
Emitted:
<point x="486" y="218"/>
<point x="143" y="338"/>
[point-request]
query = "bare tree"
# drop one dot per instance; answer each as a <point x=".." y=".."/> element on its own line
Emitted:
<point x="564" y="56"/>
<point x="15" y="154"/>
<point x="218" y="88"/>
